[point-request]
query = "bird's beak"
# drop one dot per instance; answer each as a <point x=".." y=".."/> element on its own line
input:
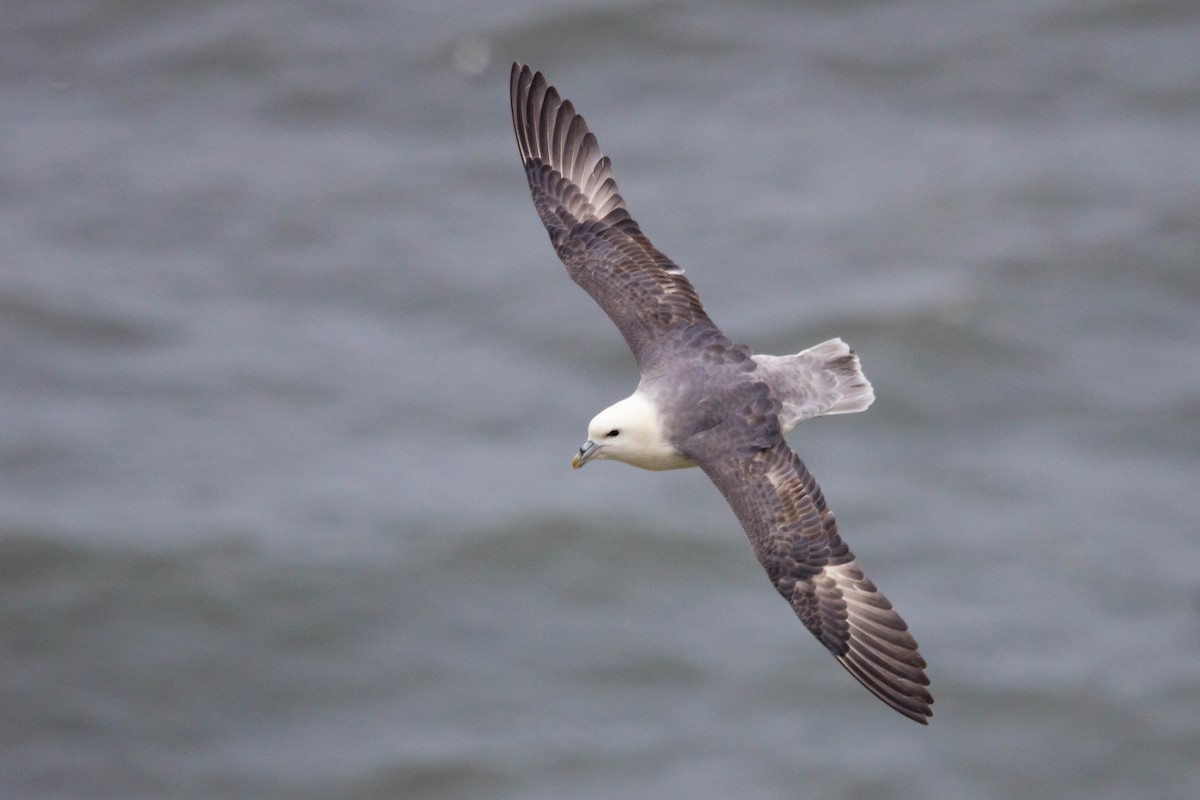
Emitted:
<point x="586" y="453"/>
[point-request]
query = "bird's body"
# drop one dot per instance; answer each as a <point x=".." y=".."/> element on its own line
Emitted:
<point x="704" y="400"/>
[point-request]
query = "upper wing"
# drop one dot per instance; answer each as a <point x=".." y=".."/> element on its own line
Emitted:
<point x="795" y="538"/>
<point x="605" y="252"/>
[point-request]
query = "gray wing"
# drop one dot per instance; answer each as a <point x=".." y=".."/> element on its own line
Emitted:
<point x="642" y="291"/>
<point x="794" y="536"/>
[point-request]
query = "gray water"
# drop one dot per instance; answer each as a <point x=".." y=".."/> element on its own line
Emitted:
<point x="290" y="380"/>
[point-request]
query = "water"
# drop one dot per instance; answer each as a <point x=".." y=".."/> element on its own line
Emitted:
<point x="291" y="378"/>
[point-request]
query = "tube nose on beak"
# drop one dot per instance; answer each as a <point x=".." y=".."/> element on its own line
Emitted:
<point x="585" y="454"/>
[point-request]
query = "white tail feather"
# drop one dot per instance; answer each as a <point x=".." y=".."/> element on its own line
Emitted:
<point x="824" y="379"/>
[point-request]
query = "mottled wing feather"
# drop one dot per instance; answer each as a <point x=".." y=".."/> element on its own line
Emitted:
<point x="795" y="538"/>
<point x="605" y="252"/>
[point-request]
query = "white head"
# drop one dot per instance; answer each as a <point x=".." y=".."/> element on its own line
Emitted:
<point x="630" y="431"/>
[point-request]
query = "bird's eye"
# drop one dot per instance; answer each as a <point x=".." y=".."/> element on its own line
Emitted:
<point x="612" y="433"/>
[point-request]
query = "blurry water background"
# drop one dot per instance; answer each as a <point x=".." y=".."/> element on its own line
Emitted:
<point x="290" y="379"/>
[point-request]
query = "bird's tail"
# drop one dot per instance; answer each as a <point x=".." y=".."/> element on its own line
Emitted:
<point x="839" y="361"/>
<point x="824" y="379"/>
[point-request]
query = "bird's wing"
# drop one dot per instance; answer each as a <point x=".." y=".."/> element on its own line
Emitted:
<point x="795" y="537"/>
<point x="604" y="250"/>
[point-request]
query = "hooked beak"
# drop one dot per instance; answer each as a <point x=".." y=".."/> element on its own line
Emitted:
<point x="586" y="453"/>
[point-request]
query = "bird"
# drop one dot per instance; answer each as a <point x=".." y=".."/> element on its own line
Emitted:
<point x="704" y="400"/>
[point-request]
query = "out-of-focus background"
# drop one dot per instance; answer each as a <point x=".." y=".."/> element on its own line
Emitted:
<point x="290" y="380"/>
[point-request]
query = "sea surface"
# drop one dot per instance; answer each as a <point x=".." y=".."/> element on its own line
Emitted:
<point x="290" y="380"/>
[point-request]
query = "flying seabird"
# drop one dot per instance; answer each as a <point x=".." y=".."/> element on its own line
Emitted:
<point x="706" y="401"/>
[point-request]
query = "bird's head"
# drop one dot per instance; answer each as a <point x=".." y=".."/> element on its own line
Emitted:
<point x="629" y="431"/>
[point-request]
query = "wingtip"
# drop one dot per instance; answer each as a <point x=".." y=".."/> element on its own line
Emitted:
<point x="519" y="69"/>
<point x="907" y="696"/>
<point x="514" y="76"/>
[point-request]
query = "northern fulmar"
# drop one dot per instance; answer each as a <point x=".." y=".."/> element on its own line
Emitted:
<point x="706" y="401"/>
